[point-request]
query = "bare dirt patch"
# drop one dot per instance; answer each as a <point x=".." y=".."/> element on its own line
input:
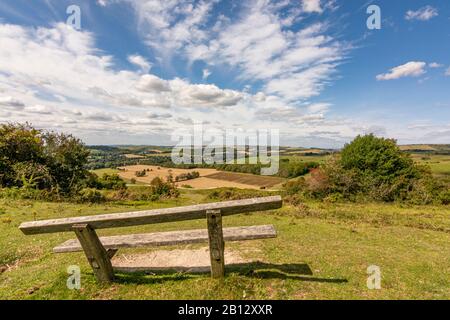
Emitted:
<point x="179" y="260"/>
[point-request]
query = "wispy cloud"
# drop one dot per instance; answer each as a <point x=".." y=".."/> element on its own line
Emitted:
<point x="435" y="65"/>
<point x="311" y="6"/>
<point x="422" y="14"/>
<point x="410" y="69"/>
<point x="205" y="74"/>
<point x="140" y="61"/>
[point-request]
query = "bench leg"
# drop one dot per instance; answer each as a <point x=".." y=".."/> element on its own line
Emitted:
<point x="216" y="243"/>
<point x="95" y="253"/>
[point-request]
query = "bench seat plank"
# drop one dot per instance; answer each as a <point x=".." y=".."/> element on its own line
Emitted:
<point x="173" y="238"/>
<point x="126" y="219"/>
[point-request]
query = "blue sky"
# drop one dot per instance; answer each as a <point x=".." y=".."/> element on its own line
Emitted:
<point x="137" y="70"/>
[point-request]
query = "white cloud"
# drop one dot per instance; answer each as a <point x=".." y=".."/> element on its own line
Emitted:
<point x="85" y="94"/>
<point x="410" y="69"/>
<point x="205" y="74"/>
<point x="447" y="73"/>
<point x="204" y="95"/>
<point x="171" y="25"/>
<point x="422" y="14"/>
<point x="435" y="65"/>
<point x="262" y="49"/>
<point x="39" y="109"/>
<point x="11" y="102"/>
<point x="311" y="6"/>
<point x="140" y="61"/>
<point x="152" y="83"/>
<point x="257" y="42"/>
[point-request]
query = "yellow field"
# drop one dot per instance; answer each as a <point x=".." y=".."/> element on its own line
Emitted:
<point x="209" y="178"/>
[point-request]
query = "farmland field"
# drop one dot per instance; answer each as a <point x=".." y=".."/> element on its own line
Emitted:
<point x="247" y="179"/>
<point x="439" y="164"/>
<point x="209" y="178"/>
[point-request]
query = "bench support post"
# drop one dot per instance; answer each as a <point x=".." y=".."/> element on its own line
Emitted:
<point x="95" y="252"/>
<point x="216" y="243"/>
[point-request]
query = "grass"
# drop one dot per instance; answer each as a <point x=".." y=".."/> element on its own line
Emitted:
<point x="322" y="252"/>
<point x="439" y="164"/>
<point x="100" y="172"/>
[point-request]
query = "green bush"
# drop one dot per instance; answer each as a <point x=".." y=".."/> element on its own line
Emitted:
<point x="444" y="197"/>
<point x="187" y="176"/>
<point x="35" y="159"/>
<point x="90" y="195"/>
<point x="165" y="189"/>
<point x="370" y="168"/>
<point x="111" y="182"/>
<point x="141" y="173"/>
<point x="295" y="186"/>
<point x="28" y="193"/>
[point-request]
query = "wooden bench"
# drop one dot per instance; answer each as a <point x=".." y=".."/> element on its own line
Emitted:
<point x="99" y="251"/>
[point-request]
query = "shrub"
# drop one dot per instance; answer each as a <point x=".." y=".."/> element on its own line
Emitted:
<point x="444" y="197"/>
<point x="33" y="158"/>
<point x="295" y="186"/>
<point x="18" y="143"/>
<point x="28" y="193"/>
<point x="187" y="176"/>
<point x="370" y="168"/>
<point x="90" y="195"/>
<point x="295" y="200"/>
<point x="111" y="182"/>
<point x="164" y="188"/>
<point x="333" y="198"/>
<point x="142" y="173"/>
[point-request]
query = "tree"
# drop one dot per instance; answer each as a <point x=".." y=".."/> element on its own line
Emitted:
<point x="66" y="158"/>
<point x="19" y="143"/>
<point x="378" y="158"/>
<point x="44" y="160"/>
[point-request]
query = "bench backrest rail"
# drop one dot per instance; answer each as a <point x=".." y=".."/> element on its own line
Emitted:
<point x="152" y="216"/>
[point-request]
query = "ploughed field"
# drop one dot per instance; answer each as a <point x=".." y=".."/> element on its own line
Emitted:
<point x="208" y="179"/>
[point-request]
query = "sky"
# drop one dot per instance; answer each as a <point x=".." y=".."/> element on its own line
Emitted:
<point x="132" y="72"/>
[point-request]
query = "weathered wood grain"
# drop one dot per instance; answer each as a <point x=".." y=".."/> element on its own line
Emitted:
<point x="173" y="238"/>
<point x="95" y="253"/>
<point x="216" y="243"/>
<point x="152" y="216"/>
